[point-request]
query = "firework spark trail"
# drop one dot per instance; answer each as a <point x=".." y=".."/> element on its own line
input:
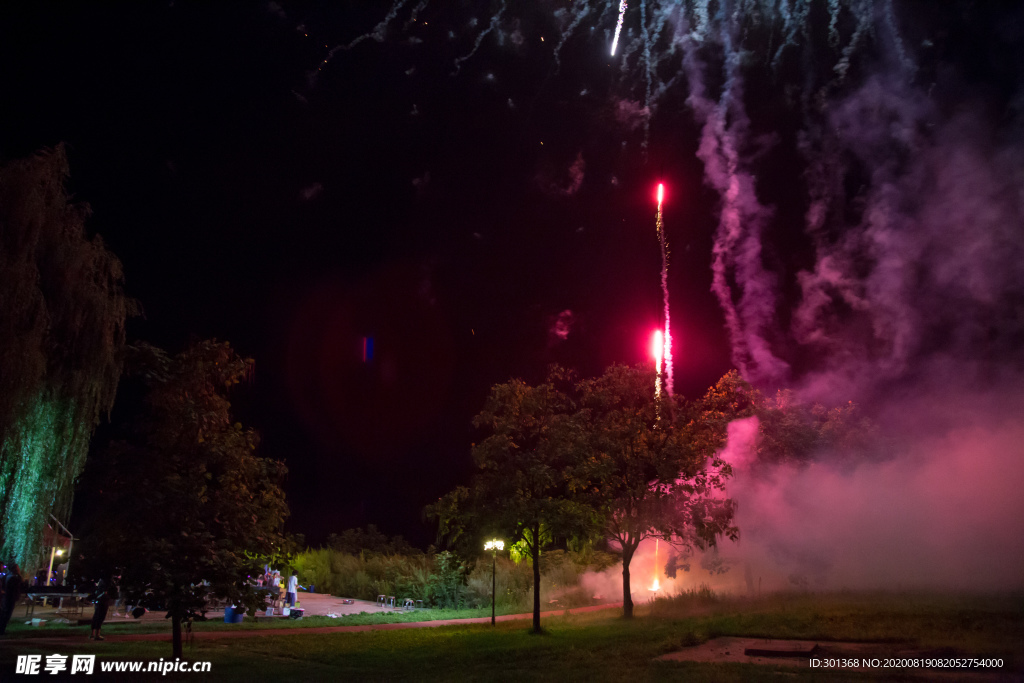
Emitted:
<point x="378" y="31"/>
<point x="657" y="348"/>
<point x="701" y="17"/>
<point x="648" y="72"/>
<point x="745" y="287"/>
<point x="833" y="23"/>
<point x="480" y="38"/>
<point x="863" y="27"/>
<point x="618" y="26"/>
<point x="669" y="385"/>
<point x="377" y="34"/>
<point x="417" y="9"/>
<point x="894" y="34"/>
<point x="737" y="248"/>
<point x="577" y="18"/>
<point x="795" y="21"/>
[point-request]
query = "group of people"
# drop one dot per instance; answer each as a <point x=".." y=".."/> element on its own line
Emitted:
<point x="13" y="585"/>
<point x="286" y="592"/>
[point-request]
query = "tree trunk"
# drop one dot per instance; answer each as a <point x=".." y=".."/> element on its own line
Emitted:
<point x="535" y="551"/>
<point x="627" y="597"/>
<point x="176" y="632"/>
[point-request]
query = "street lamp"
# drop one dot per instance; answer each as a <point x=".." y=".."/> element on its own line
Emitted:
<point x="494" y="546"/>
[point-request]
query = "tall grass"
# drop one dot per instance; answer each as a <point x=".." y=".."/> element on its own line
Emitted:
<point x="442" y="581"/>
<point x="684" y="601"/>
<point x="366" y="575"/>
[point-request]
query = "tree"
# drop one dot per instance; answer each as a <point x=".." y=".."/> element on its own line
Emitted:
<point x="651" y="467"/>
<point x="62" y="316"/>
<point x="182" y="506"/>
<point x="789" y="430"/>
<point x="354" y="541"/>
<point x="521" y="489"/>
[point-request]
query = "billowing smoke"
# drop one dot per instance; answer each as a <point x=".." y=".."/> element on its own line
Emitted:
<point x="311" y="192"/>
<point x="906" y="293"/>
<point x="912" y="305"/>
<point x="913" y="206"/>
<point x="565" y="184"/>
<point x="929" y="282"/>
<point x="561" y="325"/>
<point x="576" y="172"/>
<point x="944" y="512"/>
<point x="631" y="114"/>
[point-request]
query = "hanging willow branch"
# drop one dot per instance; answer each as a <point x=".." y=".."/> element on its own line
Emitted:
<point x="62" y="329"/>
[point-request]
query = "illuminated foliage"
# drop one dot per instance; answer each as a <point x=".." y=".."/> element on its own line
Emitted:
<point x="62" y="315"/>
<point x="520" y="551"/>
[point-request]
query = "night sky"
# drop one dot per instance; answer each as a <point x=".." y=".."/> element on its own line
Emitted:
<point x="478" y="219"/>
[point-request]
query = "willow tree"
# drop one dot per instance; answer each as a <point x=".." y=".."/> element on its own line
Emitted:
<point x="62" y="318"/>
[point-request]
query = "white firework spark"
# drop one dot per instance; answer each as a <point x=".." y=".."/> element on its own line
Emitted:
<point x="618" y="26"/>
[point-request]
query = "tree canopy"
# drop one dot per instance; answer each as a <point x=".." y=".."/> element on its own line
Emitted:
<point x="607" y="457"/>
<point x="355" y="541"/>
<point x="522" y="490"/>
<point x="651" y="466"/>
<point x="182" y="506"/>
<point x="790" y="430"/>
<point x="61" y="335"/>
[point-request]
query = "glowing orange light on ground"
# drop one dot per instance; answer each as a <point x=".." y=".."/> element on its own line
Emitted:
<point x="656" y="586"/>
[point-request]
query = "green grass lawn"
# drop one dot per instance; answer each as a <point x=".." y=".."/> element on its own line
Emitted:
<point x="18" y="629"/>
<point x="600" y="646"/>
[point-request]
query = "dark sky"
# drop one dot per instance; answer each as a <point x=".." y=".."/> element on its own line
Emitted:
<point x="387" y="197"/>
<point x="264" y="185"/>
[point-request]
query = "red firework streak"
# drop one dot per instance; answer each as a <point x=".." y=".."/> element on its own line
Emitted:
<point x="667" y="353"/>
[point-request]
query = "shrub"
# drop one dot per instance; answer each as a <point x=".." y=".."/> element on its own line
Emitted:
<point x="442" y="580"/>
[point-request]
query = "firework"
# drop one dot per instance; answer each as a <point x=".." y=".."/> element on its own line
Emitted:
<point x="664" y="292"/>
<point x="656" y="585"/>
<point x="618" y="26"/>
<point x="657" y="349"/>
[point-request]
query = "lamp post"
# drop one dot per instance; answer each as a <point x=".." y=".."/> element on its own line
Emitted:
<point x="494" y="546"/>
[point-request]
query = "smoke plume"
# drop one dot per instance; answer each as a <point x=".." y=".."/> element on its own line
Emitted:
<point x="902" y="288"/>
<point x="912" y="305"/>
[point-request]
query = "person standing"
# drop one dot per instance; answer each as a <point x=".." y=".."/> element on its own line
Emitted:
<point x="99" y="612"/>
<point x="122" y="598"/>
<point x="293" y="588"/>
<point x="12" y="591"/>
<point x="276" y="589"/>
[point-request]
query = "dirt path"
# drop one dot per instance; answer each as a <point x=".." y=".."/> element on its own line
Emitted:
<point x="258" y="633"/>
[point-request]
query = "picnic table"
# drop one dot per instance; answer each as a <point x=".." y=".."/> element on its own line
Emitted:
<point x="38" y="597"/>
